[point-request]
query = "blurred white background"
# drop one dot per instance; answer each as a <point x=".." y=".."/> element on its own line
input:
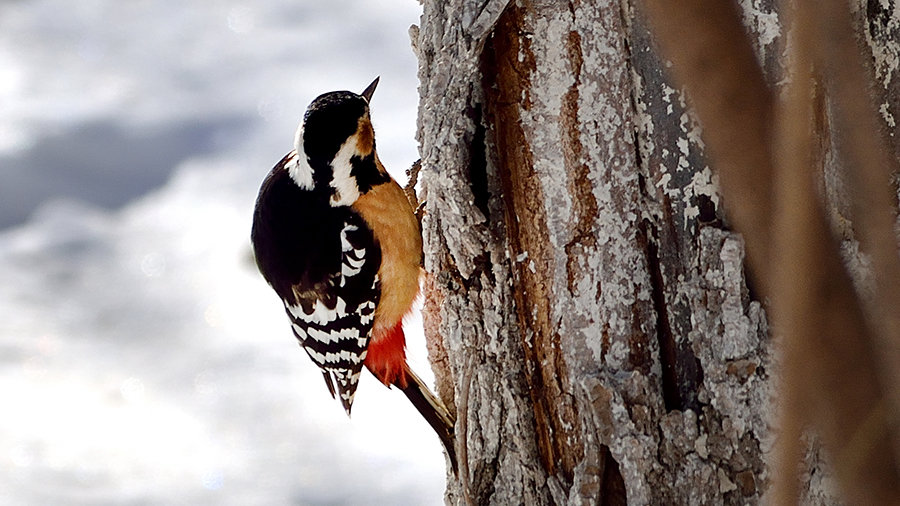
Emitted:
<point x="143" y="360"/>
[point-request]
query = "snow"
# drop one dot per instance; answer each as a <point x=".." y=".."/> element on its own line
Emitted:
<point x="144" y="360"/>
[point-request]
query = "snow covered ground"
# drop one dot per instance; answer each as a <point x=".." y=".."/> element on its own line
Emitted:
<point x="143" y="360"/>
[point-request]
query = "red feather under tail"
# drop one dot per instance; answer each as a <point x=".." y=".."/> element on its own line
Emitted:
<point x="386" y="356"/>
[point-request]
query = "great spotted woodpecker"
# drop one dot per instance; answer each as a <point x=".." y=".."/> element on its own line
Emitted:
<point x="336" y="238"/>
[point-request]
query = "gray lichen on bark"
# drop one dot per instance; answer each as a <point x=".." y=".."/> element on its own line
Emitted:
<point x="587" y="311"/>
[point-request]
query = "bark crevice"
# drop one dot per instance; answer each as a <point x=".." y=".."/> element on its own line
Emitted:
<point x="506" y="75"/>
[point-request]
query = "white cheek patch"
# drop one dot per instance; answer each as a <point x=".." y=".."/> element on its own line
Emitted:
<point x="299" y="168"/>
<point x="346" y="190"/>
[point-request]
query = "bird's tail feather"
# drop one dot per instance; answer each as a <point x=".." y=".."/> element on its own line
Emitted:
<point x="432" y="409"/>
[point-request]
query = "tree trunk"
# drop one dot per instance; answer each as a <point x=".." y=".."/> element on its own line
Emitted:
<point x="587" y="312"/>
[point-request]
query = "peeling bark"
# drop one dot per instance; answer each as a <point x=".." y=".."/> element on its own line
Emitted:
<point x="587" y="309"/>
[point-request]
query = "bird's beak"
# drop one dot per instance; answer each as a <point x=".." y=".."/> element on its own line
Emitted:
<point x="370" y="89"/>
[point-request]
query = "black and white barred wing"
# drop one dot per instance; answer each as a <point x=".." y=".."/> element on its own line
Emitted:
<point x="333" y="321"/>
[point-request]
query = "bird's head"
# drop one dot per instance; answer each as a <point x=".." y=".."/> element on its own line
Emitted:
<point x="335" y="147"/>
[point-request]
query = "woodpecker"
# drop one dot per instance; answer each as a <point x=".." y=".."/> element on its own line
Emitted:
<point x="337" y="239"/>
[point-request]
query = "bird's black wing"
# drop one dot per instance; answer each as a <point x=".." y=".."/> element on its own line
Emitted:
<point x="323" y="262"/>
<point x="333" y="320"/>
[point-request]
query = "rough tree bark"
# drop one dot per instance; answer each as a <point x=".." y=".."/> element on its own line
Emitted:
<point x="587" y="311"/>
